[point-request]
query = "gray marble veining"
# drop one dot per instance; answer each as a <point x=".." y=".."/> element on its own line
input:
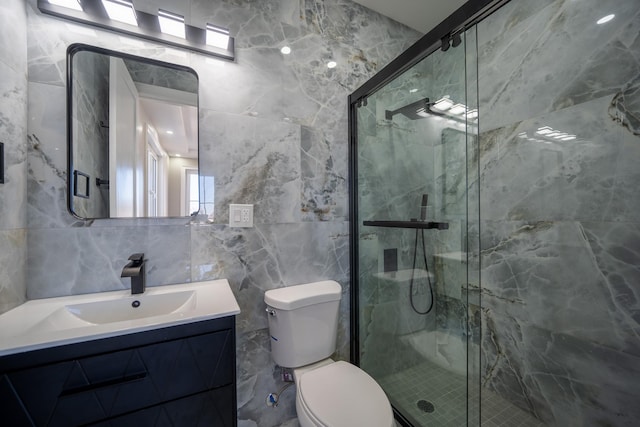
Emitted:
<point x="13" y="274"/>
<point x="90" y="133"/>
<point x="273" y="132"/>
<point x="90" y="259"/>
<point x="13" y="134"/>
<point x="557" y="55"/>
<point x="13" y="90"/>
<point x="559" y="219"/>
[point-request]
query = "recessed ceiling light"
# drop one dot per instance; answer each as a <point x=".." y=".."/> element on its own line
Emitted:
<point x="605" y="19"/>
<point x="120" y="10"/>
<point x="217" y="36"/>
<point x="171" y="23"/>
<point x="169" y="132"/>
<point x="178" y="155"/>
<point x="286" y="50"/>
<point x="69" y="4"/>
<point x="332" y="64"/>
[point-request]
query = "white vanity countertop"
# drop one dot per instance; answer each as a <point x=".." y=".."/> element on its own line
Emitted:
<point x="51" y="322"/>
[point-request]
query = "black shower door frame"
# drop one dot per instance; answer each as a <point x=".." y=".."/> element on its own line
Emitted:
<point x="464" y="18"/>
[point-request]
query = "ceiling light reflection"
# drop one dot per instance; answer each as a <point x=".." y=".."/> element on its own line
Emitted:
<point x="422" y="112"/>
<point x="458" y="109"/>
<point x="549" y="134"/>
<point x="605" y="19"/>
<point x="443" y="104"/>
<point x="544" y="130"/>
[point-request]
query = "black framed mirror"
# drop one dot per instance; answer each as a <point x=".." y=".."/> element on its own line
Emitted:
<point x="132" y="128"/>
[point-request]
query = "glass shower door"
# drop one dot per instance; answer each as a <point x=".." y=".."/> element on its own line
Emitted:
<point x="416" y="210"/>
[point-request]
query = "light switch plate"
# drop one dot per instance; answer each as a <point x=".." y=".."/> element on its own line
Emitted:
<point x="240" y="215"/>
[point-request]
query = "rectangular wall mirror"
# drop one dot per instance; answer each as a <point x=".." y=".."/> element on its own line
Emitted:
<point x="132" y="126"/>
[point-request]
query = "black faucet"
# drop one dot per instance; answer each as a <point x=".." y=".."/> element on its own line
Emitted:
<point x="135" y="270"/>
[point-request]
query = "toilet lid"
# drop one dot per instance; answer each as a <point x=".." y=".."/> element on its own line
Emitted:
<point x="343" y="395"/>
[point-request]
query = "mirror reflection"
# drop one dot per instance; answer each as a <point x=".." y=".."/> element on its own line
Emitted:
<point x="133" y="136"/>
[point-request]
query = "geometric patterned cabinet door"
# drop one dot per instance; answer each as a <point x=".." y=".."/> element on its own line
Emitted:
<point x="208" y="409"/>
<point x="179" y="381"/>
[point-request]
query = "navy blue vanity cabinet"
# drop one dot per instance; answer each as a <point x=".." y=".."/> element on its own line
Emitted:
<point x="177" y="376"/>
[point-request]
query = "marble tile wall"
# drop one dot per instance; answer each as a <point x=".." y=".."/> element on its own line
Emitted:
<point x="90" y="134"/>
<point x="559" y="219"/>
<point x="13" y="132"/>
<point x="273" y="132"/>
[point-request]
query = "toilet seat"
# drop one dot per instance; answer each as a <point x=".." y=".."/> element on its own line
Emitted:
<point x="343" y="395"/>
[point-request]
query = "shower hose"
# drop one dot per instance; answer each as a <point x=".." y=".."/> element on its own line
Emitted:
<point x="413" y="271"/>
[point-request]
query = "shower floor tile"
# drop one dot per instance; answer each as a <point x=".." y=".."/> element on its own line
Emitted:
<point x="498" y="412"/>
<point x="447" y="392"/>
<point x="426" y="381"/>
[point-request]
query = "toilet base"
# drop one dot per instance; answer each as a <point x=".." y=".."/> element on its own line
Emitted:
<point x="303" y="418"/>
<point x="305" y="421"/>
<point x="308" y="418"/>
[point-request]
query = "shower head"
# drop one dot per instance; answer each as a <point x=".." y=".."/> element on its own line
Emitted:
<point x="422" y="109"/>
<point x="414" y="111"/>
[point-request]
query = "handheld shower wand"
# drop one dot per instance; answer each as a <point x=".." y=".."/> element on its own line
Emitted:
<point x="423" y="218"/>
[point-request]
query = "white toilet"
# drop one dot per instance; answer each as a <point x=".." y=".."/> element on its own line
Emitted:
<point x="303" y="322"/>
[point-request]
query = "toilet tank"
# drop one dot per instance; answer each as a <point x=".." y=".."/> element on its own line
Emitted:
<point x="303" y="322"/>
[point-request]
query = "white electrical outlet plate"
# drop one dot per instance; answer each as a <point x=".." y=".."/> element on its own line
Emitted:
<point x="240" y="215"/>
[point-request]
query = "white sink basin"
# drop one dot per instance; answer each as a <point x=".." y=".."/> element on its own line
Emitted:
<point x="134" y="307"/>
<point x="64" y="320"/>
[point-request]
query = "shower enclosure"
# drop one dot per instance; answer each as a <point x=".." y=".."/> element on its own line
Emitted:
<point x="415" y="219"/>
<point x="495" y="218"/>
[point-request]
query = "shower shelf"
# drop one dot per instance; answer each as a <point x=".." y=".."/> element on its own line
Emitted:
<point x="408" y="224"/>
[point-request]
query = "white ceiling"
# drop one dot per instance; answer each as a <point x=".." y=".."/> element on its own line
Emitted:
<point x="421" y="15"/>
<point x="174" y="115"/>
<point x="178" y="119"/>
